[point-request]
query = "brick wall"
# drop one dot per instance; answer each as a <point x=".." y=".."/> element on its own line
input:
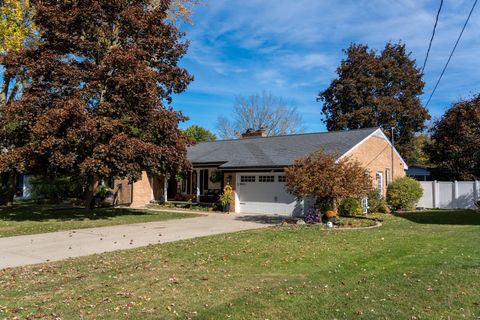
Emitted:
<point x="142" y="191"/>
<point x="376" y="155"/>
<point x="123" y="190"/>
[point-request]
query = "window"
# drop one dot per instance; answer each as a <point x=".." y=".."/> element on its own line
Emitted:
<point x="193" y="183"/>
<point x="203" y="180"/>
<point x="282" y="178"/>
<point x="266" y="179"/>
<point x="247" y="179"/>
<point x="380" y="182"/>
<point x="387" y="177"/>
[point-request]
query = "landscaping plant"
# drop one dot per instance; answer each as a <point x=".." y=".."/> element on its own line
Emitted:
<point x="226" y="198"/>
<point x="377" y="203"/>
<point x="404" y="193"/>
<point x="55" y="189"/>
<point x="323" y="176"/>
<point x="350" y="207"/>
<point x="313" y="216"/>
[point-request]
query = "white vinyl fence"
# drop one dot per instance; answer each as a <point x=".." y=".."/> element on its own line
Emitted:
<point x="449" y="195"/>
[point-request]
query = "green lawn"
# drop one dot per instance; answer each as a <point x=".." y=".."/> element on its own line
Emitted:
<point x="31" y="218"/>
<point x="416" y="266"/>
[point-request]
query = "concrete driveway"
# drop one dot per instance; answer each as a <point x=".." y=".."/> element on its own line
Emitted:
<point x="39" y="248"/>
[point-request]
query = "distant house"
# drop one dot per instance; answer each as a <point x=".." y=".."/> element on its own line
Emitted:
<point x="420" y="173"/>
<point x="254" y="167"/>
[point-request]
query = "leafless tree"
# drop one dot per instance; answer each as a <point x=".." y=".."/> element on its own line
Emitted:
<point x="258" y="111"/>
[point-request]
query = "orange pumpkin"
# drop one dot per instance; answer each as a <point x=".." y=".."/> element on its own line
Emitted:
<point x="330" y="214"/>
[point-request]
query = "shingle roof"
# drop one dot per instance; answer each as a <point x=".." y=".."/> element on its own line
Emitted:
<point x="277" y="151"/>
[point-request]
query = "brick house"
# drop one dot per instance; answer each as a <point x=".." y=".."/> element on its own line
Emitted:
<point x="254" y="167"/>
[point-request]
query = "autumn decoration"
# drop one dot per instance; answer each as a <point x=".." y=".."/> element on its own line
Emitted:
<point x="226" y="198"/>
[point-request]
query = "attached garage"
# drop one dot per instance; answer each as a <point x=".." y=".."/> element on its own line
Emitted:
<point x="265" y="193"/>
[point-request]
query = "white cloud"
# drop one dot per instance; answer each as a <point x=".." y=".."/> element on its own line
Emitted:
<point x="270" y="77"/>
<point x="292" y="48"/>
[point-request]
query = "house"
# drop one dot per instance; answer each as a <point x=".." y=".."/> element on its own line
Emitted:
<point x="254" y="167"/>
<point x="420" y="173"/>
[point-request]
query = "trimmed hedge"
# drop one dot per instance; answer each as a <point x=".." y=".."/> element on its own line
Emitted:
<point x="404" y="193"/>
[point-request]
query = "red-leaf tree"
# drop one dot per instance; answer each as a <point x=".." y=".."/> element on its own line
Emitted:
<point x="97" y="106"/>
<point x="377" y="89"/>
<point x="455" y="140"/>
<point x="323" y="176"/>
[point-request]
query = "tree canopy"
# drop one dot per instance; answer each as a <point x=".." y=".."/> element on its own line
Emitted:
<point x="199" y="134"/>
<point x="325" y="177"/>
<point x="100" y="85"/>
<point x="418" y="155"/>
<point x="377" y="90"/>
<point x="454" y="149"/>
<point x="260" y="111"/>
<point x="15" y="24"/>
<point x="17" y="27"/>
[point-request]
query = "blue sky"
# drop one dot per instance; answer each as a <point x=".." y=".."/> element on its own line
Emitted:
<point x="292" y="48"/>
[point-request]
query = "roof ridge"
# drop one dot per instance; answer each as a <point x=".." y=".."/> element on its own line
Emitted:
<point x="291" y="135"/>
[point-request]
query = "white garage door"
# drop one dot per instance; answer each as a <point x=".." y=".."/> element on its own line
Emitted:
<point x="266" y="194"/>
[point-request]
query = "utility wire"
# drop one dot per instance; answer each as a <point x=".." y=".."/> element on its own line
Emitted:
<point x="433" y="35"/>
<point x="451" y="54"/>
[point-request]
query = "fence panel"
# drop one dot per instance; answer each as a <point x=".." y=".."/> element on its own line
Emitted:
<point x="445" y="196"/>
<point x="466" y="194"/>
<point x="427" y="200"/>
<point x="449" y="195"/>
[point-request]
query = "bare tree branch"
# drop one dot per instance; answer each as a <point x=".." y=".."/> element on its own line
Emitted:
<point x="260" y="111"/>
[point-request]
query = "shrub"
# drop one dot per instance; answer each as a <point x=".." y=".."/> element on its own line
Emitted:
<point x="55" y="189"/>
<point x="103" y="191"/>
<point x="168" y="204"/>
<point x="324" y="204"/>
<point x="350" y="207"/>
<point x="313" y="217"/>
<point x="404" y="193"/>
<point x="225" y="198"/>
<point x="376" y="203"/>
<point x="324" y="176"/>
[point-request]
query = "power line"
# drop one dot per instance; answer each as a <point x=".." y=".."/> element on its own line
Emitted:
<point x="451" y="54"/>
<point x="433" y="35"/>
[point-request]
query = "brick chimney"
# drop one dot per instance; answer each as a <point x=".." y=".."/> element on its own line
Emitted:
<point x="250" y="133"/>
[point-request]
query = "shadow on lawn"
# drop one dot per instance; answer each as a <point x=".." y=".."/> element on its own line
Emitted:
<point x="452" y="217"/>
<point x="265" y="219"/>
<point x="42" y="212"/>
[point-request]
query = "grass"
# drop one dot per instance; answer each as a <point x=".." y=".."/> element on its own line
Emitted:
<point x="30" y="218"/>
<point x="415" y="266"/>
<point x="355" y="222"/>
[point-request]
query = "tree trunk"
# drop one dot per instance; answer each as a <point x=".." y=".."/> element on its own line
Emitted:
<point x="8" y="187"/>
<point x="92" y="183"/>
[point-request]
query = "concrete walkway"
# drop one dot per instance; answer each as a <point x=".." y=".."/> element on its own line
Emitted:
<point x="39" y="248"/>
